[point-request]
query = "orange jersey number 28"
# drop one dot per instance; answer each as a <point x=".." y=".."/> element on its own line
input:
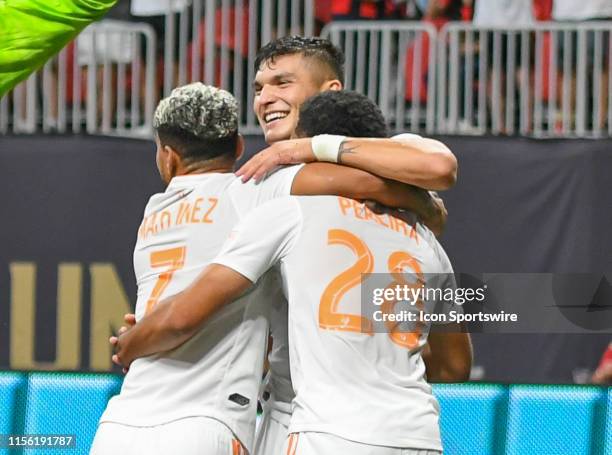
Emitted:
<point x="329" y="316"/>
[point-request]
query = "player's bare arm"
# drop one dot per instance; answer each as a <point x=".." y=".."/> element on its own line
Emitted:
<point x="332" y="179"/>
<point x="426" y="163"/>
<point x="448" y="357"/>
<point x="175" y="321"/>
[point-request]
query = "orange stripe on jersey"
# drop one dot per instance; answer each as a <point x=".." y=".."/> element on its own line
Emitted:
<point x="290" y="444"/>
<point x="297" y="437"/>
<point x="236" y="447"/>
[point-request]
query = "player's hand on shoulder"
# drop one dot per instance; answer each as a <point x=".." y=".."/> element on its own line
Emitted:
<point x="437" y="221"/>
<point x="380" y="209"/>
<point x="291" y="151"/>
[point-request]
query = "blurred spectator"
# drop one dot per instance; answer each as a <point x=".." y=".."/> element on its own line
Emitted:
<point x="439" y="11"/>
<point x="603" y="374"/>
<point x="365" y="9"/>
<point x="154" y="13"/>
<point x="566" y="11"/>
<point x="542" y="10"/>
<point x="234" y="39"/>
<point x="111" y="45"/>
<point x="323" y="13"/>
<point x="107" y="40"/>
<point x="502" y="13"/>
<point x="491" y="13"/>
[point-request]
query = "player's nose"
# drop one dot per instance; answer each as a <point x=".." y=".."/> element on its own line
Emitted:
<point x="267" y="95"/>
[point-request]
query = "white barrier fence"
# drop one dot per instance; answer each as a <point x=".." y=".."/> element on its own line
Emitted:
<point x="101" y="83"/>
<point x="548" y="80"/>
<point x="111" y="78"/>
<point x="393" y="63"/>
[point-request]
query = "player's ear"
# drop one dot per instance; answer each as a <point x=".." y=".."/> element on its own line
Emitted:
<point x="172" y="161"/>
<point x="239" y="147"/>
<point x="333" y="84"/>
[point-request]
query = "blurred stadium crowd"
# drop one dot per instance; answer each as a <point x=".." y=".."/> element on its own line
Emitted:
<point x="529" y="67"/>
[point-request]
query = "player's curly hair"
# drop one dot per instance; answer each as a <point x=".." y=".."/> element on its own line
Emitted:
<point x="199" y="121"/>
<point x="341" y="112"/>
<point x="319" y="49"/>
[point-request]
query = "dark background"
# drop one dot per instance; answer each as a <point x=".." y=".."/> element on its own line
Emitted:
<point x="520" y="205"/>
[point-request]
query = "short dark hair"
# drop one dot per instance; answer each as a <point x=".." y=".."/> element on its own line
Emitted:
<point x="192" y="148"/>
<point x="319" y="49"/>
<point x="341" y="112"/>
<point x="199" y="121"/>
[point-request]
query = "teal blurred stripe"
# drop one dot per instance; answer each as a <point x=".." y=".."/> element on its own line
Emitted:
<point x="475" y="418"/>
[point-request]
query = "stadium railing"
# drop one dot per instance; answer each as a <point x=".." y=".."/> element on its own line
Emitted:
<point x="393" y="63"/>
<point x="103" y="82"/>
<point x="213" y="41"/>
<point x="547" y="80"/>
<point x="475" y="418"/>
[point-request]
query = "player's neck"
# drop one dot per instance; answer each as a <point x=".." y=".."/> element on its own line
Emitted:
<point x="207" y="167"/>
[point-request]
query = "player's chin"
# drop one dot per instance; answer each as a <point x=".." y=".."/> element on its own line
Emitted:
<point x="277" y="134"/>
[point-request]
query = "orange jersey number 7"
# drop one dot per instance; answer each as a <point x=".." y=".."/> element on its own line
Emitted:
<point x="173" y="259"/>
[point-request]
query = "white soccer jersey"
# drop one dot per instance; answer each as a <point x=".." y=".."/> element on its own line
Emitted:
<point x="365" y="387"/>
<point x="278" y="390"/>
<point x="216" y="373"/>
<point x="278" y="386"/>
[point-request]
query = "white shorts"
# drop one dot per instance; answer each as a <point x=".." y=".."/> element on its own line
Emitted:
<point x="192" y="435"/>
<point x="272" y="433"/>
<point x="311" y="443"/>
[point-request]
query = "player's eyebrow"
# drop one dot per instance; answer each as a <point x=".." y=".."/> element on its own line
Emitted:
<point x="285" y="75"/>
<point x="275" y="79"/>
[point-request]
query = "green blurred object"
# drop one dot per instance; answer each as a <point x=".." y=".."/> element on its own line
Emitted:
<point x="32" y="31"/>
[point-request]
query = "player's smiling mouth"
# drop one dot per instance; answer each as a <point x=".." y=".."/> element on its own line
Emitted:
<point x="274" y="116"/>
